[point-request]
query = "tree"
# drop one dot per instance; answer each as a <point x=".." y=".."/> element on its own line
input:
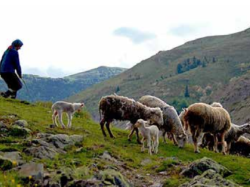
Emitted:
<point x="117" y="89"/>
<point x="186" y="94"/>
<point x="179" y="69"/>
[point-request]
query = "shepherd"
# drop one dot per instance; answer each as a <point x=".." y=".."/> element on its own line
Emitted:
<point x="10" y="69"/>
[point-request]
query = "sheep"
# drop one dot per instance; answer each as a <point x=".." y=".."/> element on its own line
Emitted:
<point x="172" y="124"/>
<point x="202" y="118"/>
<point x="231" y="136"/>
<point x="61" y="106"/>
<point x="241" y="146"/>
<point x="122" y="108"/>
<point x="149" y="133"/>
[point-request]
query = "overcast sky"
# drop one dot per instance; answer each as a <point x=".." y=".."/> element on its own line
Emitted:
<point x="65" y="37"/>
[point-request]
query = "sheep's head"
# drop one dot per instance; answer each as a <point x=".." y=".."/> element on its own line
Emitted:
<point x="216" y="104"/>
<point x="78" y="106"/>
<point x="156" y="117"/>
<point x="247" y="128"/>
<point x="181" y="140"/>
<point x="139" y="123"/>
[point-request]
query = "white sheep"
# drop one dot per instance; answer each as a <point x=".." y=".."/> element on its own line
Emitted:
<point x="149" y="133"/>
<point x="69" y="108"/>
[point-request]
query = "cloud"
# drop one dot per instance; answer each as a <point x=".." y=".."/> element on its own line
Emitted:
<point x="135" y="35"/>
<point x="183" y="30"/>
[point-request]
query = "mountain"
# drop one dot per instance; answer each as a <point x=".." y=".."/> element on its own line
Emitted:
<point x="54" y="89"/>
<point x="193" y="72"/>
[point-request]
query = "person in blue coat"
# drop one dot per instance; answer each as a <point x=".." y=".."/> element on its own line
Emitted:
<point x="10" y="69"/>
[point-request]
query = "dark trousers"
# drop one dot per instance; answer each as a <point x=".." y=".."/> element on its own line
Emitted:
<point x="12" y="81"/>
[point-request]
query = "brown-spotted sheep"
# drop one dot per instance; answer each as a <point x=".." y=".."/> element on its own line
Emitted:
<point x="202" y="118"/>
<point x="172" y="124"/>
<point x="123" y="108"/>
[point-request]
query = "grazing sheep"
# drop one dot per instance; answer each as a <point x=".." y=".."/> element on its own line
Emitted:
<point x="149" y="133"/>
<point x="241" y="147"/>
<point x="122" y="108"/>
<point x="231" y="136"/>
<point x="61" y="106"/>
<point x="172" y="124"/>
<point x="208" y="141"/>
<point x="201" y="117"/>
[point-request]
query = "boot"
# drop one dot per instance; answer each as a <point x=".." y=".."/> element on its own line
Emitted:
<point x="6" y="94"/>
<point x="13" y="95"/>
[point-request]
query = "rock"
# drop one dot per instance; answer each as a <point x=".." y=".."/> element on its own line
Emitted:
<point x="3" y="127"/>
<point x="21" y="123"/>
<point x="112" y="177"/>
<point x="19" y="131"/>
<point x="86" y="183"/>
<point x="146" y="161"/>
<point x="15" y="157"/>
<point x="41" y="152"/>
<point x="199" y="166"/>
<point x="32" y="169"/>
<point x="209" y="178"/>
<point x="5" y="163"/>
<point x="156" y="185"/>
<point x="62" y="140"/>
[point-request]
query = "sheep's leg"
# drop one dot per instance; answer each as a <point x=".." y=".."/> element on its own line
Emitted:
<point x="143" y="147"/>
<point x="54" y="116"/>
<point x="108" y="127"/>
<point x="60" y="119"/>
<point x="149" y="145"/>
<point x="69" y="120"/>
<point x="131" y="133"/>
<point x="216" y="144"/>
<point x="174" y="139"/>
<point x="102" y="123"/>
<point x="194" y="137"/>
<point x="164" y="136"/>
<point x="156" y="144"/>
<point x="228" y="147"/>
<point x="224" y="144"/>
<point x="137" y="135"/>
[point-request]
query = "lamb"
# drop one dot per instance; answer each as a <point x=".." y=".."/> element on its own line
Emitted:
<point x="149" y="133"/>
<point x="122" y="108"/>
<point x="231" y="136"/>
<point x="172" y="124"/>
<point x="241" y="146"/>
<point x="201" y="117"/>
<point x="70" y="108"/>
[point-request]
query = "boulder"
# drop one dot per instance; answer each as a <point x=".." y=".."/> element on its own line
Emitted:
<point x="209" y="178"/>
<point x="14" y="156"/>
<point x="19" y="131"/>
<point x="5" y="163"/>
<point x="113" y="178"/>
<point x="21" y="123"/>
<point x="41" y="152"/>
<point x="35" y="170"/>
<point x="199" y="166"/>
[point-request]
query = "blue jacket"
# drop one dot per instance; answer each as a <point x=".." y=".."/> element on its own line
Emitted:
<point x="10" y="62"/>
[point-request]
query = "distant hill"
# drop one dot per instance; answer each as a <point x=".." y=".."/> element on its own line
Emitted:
<point x="53" y="89"/>
<point x="190" y="73"/>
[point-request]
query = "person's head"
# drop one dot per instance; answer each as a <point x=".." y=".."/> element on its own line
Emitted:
<point x="17" y="44"/>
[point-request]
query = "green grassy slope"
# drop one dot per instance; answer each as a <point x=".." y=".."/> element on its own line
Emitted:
<point x="225" y="57"/>
<point x="94" y="144"/>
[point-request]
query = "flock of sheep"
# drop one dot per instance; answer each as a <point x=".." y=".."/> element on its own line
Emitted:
<point x="150" y="114"/>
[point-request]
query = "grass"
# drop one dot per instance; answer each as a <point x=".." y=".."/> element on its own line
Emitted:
<point x="94" y="144"/>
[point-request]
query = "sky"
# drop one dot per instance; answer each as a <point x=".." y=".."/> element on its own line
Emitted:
<point x="64" y="37"/>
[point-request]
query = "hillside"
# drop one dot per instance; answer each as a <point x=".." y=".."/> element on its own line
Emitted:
<point x="201" y="66"/>
<point x="54" y="89"/>
<point x="93" y="160"/>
